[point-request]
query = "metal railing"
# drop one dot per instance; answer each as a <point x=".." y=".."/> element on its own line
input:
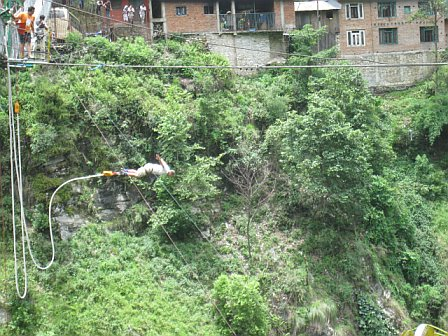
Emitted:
<point x="247" y="21"/>
<point x="75" y="23"/>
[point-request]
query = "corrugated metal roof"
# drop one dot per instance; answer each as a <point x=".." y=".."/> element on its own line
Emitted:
<point x="308" y="6"/>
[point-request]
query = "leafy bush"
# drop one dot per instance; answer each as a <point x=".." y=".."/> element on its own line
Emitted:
<point x="432" y="181"/>
<point x="372" y="321"/>
<point x="24" y="317"/>
<point x="427" y="303"/>
<point x="43" y="186"/>
<point x="242" y="309"/>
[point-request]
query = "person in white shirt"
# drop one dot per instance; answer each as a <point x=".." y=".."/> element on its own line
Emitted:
<point x="41" y="38"/>
<point x="131" y="13"/>
<point x="150" y="168"/>
<point x="142" y="13"/>
<point x="99" y="4"/>
<point x="125" y="13"/>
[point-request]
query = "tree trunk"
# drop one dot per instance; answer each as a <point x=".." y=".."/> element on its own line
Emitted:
<point x="249" y="248"/>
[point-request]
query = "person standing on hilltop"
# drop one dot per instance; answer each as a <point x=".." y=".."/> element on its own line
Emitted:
<point x="107" y="6"/>
<point x="142" y="13"/>
<point x="41" y="36"/>
<point x="25" y="27"/>
<point x="125" y="13"/>
<point x="131" y="13"/>
<point x="99" y="4"/>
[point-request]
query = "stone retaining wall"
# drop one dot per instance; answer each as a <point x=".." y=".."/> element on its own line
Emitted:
<point x="388" y="78"/>
<point x="249" y="49"/>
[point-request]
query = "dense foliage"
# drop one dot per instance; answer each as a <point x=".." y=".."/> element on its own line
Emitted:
<point x="301" y="205"/>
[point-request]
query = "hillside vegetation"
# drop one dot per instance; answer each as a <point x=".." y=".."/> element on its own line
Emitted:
<point x="301" y="205"/>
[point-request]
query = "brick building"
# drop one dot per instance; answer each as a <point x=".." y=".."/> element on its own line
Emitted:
<point x="385" y="26"/>
<point x="381" y="31"/>
<point x="196" y="16"/>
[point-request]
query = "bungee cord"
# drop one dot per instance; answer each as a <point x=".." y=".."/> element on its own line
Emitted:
<point x="51" y="202"/>
<point x="14" y="168"/>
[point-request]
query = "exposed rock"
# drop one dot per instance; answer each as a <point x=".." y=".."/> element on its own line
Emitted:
<point x="112" y="201"/>
<point x="56" y="166"/>
<point x="109" y="202"/>
<point x="5" y="317"/>
<point x="68" y="225"/>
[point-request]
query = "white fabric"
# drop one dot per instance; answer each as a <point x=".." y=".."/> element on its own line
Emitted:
<point x="152" y="168"/>
<point x="424" y="330"/>
<point x="323" y="5"/>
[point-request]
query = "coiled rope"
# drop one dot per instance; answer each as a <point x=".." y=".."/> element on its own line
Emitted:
<point x="14" y="168"/>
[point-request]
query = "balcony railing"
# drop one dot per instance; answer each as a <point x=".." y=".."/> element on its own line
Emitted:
<point x="247" y="21"/>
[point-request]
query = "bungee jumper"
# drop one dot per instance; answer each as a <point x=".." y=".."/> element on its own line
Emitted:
<point x="159" y="169"/>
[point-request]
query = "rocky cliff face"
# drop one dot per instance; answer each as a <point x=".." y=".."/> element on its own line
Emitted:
<point x="4" y="315"/>
<point x="107" y="203"/>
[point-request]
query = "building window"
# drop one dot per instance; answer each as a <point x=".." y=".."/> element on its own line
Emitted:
<point x="388" y="36"/>
<point x="425" y="7"/>
<point x="329" y="15"/>
<point x="209" y="9"/>
<point x="429" y="34"/>
<point x="407" y="10"/>
<point x="180" y="11"/>
<point x="356" y="38"/>
<point x="387" y="9"/>
<point x="354" y="11"/>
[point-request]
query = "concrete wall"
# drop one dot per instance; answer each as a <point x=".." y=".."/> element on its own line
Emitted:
<point x="383" y="79"/>
<point x="408" y="31"/>
<point x="264" y="45"/>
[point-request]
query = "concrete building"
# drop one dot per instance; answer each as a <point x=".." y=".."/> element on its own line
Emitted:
<point x="196" y="16"/>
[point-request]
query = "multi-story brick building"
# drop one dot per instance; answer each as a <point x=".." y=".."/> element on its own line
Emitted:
<point x="383" y="31"/>
<point x="196" y="16"/>
<point x="247" y="32"/>
<point x="385" y="26"/>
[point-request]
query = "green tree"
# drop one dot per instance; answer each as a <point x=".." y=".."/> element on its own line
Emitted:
<point x="251" y="175"/>
<point x="242" y="309"/>
<point x="331" y="151"/>
<point x="303" y="45"/>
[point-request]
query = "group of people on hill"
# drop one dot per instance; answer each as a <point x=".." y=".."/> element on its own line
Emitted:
<point x="27" y="28"/>
<point x="129" y="13"/>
